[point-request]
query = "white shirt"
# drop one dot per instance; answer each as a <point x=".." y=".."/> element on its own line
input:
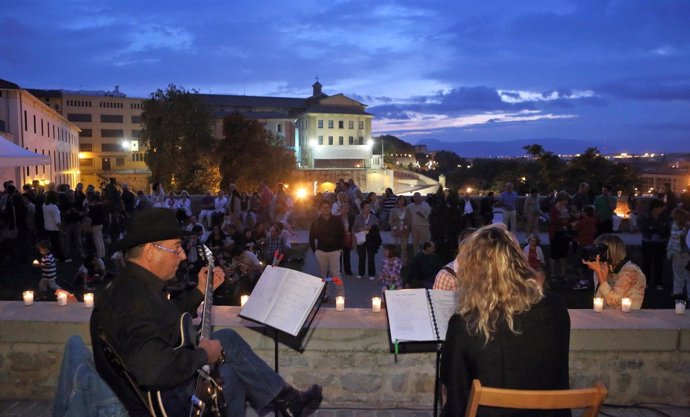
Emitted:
<point x="220" y="204"/>
<point x="185" y="205"/>
<point x="51" y="217"/>
<point x="468" y="207"/>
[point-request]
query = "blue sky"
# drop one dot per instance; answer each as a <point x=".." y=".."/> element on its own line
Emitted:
<point x="612" y="73"/>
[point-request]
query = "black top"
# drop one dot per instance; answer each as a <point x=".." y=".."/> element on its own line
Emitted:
<point x="536" y="358"/>
<point x="327" y="235"/>
<point x="143" y="326"/>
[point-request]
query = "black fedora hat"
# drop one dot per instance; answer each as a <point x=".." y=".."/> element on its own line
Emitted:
<point x="151" y="225"/>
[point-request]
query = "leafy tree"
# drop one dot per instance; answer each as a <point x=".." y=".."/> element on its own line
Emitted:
<point x="448" y="162"/>
<point x="177" y="133"/>
<point x="250" y="154"/>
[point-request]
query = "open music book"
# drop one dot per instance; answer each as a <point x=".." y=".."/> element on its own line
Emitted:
<point x="283" y="299"/>
<point x="419" y="315"/>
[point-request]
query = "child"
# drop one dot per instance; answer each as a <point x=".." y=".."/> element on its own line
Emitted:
<point x="390" y="275"/>
<point x="585" y="229"/>
<point x="93" y="269"/>
<point x="533" y="253"/>
<point x="48" y="270"/>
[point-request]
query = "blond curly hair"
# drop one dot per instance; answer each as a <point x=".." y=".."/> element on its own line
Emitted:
<point x="496" y="281"/>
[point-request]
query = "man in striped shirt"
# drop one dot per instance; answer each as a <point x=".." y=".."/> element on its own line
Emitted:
<point x="48" y="269"/>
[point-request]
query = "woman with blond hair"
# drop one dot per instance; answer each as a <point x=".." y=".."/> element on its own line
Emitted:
<point x="508" y="332"/>
<point x="615" y="275"/>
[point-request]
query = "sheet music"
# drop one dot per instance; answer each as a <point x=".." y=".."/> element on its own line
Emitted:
<point x="445" y="304"/>
<point x="409" y="315"/>
<point x="283" y="298"/>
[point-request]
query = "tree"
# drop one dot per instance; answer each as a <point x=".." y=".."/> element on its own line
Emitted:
<point x="177" y="132"/>
<point x="250" y="154"/>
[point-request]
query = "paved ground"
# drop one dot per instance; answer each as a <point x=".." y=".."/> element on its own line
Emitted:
<point x="44" y="409"/>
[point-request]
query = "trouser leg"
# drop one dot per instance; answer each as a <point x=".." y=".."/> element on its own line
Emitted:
<point x="371" y="265"/>
<point x="362" y="255"/>
<point x="245" y="375"/>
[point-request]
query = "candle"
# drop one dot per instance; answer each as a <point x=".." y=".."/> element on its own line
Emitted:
<point x="35" y="261"/>
<point x="28" y="297"/>
<point x="626" y="303"/>
<point x="598" y="304"/>
<point x="680" y="306"/>
<point x="376" y="304"/>
<point x="88" y="300"/>
<point x="62" y="298"/>
<point x="243" y="300"/>
<point x="340" y="303"/>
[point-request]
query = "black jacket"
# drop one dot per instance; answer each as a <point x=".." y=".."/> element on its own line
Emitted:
<point x="536" y="358"/>
<point x="327" y="235"/>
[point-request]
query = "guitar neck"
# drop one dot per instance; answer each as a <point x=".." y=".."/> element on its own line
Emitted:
<point x="208" y="305"/>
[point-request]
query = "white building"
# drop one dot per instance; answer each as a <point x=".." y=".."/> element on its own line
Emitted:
<point x="29" y="123"/>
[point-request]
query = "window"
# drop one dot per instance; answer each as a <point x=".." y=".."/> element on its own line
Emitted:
<point x="351" y="140"/>
<point x="35" y="124"/>
<point x="79" y="117"/>
<point x="86" y="133"/>
<point x="111" y="118"/>
<point x="319" y="124"/>
<point x="340" y="140"/>
<point x="330" y="140"/>
<point x="361" y="140"/>
<point x="105" y="163"/>
<point x="351" y="124"/>
<point x="341" y="124"/>
<point x="111" y="147"/>
<point x="137" y="157"/>
<point x="136" y="119"/>
<point x="361" y="124"/>
<point x="320" y="140"/>
<point x="119" y="162"/>
<point x="279" y="128"/>
<point x="112" y="133"/>
<point x="86" y="147"/>
<point x="330" y="124"/>
<point x="42" y="131"/>
<point x="136" y="133"/>
<point x="26" y="125"/>
<point x="86" y="162"/>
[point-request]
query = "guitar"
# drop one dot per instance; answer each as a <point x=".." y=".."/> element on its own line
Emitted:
<point x="208" y="399"/>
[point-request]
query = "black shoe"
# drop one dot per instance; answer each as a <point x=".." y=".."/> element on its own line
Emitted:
<point x="292" y="402"/>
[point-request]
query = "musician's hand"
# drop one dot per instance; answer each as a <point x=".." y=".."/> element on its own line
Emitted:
<point x="218" y="278"/>
<point x="213" y="350"/>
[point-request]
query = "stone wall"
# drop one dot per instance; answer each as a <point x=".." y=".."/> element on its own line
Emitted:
<point x="643" y="356"/>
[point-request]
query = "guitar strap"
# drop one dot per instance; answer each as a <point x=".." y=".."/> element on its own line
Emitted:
<point x="117" y="364"/>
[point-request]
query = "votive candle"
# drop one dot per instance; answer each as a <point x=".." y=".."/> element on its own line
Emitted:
<point x="28" y="297"/>
<point x="340" y="303"/>
<point x="598" y="304"/>
<point x="626" y="303"/>
<point x="376" y="304"/>
<point x="243" y="300"/>
<point x="35" y="262"/>
<point x="88" y="300"/>
<point x="62" y="298"/>
<point x="680" y="306"/>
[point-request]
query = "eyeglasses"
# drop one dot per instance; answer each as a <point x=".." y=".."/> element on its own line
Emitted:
<point x="178" y="252"/>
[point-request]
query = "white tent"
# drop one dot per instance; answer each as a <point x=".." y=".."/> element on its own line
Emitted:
<point x="12" y="155"/>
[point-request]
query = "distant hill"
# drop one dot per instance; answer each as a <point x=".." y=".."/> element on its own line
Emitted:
<point x="509" y="148"/>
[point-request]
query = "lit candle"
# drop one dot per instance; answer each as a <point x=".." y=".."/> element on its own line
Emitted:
<point x="88" y="300"/>
<point x="376" y="304"/>
<point x="598" y="304"/>
<point x="35" y="261"/>
<point x="680" y="306"/>
<point x="62" y="298"/>
<point x="28" y="297"/>
<point x="243" y="300"/>
<point x="626" y="303"/>
<point x="340" y="303"/>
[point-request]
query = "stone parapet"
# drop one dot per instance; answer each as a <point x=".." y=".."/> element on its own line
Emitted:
<point x="642" y="356"/>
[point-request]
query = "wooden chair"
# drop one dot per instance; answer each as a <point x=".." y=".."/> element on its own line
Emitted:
<point x="589" y="399"/>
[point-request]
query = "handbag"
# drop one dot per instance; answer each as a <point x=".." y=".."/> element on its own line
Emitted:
<point x="347" y="242"/>
<point x="361" y="237"/>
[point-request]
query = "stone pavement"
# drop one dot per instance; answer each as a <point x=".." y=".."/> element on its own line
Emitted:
<point x="44" y="409"/>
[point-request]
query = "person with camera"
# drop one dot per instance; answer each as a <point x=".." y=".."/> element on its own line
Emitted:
<point x="615" y="276"/>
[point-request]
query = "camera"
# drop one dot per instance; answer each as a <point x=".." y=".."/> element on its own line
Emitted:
<point x="589" y="253"/>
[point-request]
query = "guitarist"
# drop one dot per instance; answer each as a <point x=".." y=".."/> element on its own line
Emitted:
<point x="135" y="317"/>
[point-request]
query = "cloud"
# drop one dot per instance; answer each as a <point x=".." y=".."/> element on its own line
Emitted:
<point x="669" y="88"/>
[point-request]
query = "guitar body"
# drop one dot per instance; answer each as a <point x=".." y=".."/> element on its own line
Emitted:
<point x="202" y="395"/>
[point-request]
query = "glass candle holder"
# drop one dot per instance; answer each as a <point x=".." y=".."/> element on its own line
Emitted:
<point x="598" y="304"/>
<point x="88" y="300"/>
<point x="243" y="300"/>
<point x="28" y="297"/>
<point x="376" y="304"/>
<point x="340" y="303"/>
<point x="626" y="304"/>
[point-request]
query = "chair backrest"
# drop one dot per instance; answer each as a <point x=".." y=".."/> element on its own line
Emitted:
<point x="589" y="399"/>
